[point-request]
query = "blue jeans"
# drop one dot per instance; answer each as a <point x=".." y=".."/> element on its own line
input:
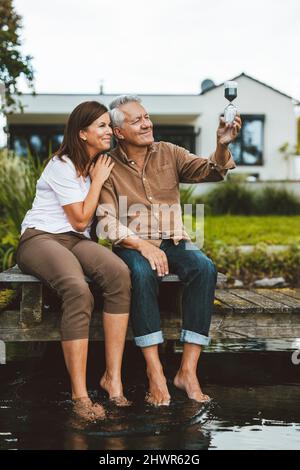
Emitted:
<point x="199" y="277"/>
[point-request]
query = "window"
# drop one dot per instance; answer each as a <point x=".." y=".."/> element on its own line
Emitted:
<point x="184" y="136"/>
<point x="41" y="140"/>
<point x="248" y="147"/>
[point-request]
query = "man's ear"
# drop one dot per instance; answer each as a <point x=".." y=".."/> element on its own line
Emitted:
<point x="118" y="133"/>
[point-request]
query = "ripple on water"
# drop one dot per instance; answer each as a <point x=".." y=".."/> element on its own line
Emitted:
<point x="36" y="413"/>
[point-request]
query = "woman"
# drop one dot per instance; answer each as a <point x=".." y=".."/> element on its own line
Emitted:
<point x="55" y="246"/>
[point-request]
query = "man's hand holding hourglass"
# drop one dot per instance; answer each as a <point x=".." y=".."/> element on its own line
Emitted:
<point x="228" y="131"/>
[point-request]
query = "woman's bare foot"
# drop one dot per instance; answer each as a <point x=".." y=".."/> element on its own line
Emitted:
<point x="86" y="409"/>
<point x="188" y="382"/>
<point x="114" y="389"/>
<point x="158" y="394"/>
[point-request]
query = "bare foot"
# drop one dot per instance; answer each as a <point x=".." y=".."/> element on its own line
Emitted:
<point x="158" y="394"/>
<point x="114" y="389"/>
<point x="86" y="409"/>
<point x="188" y="382"/>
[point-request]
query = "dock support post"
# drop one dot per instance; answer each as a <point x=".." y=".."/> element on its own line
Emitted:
<point x="31" y="304"/>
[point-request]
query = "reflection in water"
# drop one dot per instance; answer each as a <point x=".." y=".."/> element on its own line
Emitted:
<point x="36" y="411"/>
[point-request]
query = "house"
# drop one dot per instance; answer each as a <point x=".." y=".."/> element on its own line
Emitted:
<point x="269" y="121"/>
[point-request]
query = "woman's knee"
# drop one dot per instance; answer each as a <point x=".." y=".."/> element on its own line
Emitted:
<point x="117" y="289"/>
<point x="116" y="272"/>
<point x="77" y="290"/>
<point x="122" y="277"/>
<point x="78" y="305"/>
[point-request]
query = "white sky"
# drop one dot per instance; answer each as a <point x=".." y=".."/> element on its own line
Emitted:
<point x="160" y="46"/>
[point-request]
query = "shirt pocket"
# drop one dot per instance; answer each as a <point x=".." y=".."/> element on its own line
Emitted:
<point x="166" y="178"/>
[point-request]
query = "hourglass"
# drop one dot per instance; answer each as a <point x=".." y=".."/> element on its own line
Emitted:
<point x="230" y="93"/>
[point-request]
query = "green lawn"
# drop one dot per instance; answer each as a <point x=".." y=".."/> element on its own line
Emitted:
<point x="250" y="230"/>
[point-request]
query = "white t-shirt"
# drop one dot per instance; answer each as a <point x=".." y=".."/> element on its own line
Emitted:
<point x="57" y="186"/>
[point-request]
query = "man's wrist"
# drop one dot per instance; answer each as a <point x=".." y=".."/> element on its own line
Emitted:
<point x="221" y="155"/>
<point x="222" y="146"/>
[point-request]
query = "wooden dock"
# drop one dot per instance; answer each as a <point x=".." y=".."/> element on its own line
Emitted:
<point x="238" y="313"/>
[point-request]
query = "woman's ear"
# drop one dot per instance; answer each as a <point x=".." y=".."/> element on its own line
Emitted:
<point x="82" y="135"/>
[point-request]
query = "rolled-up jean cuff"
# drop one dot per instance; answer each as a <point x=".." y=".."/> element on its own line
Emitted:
<point x="194" y="338"/>
<point x="149" y="340"/>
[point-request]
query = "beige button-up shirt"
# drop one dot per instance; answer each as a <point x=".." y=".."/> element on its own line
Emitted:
<point x="152" y="209"/>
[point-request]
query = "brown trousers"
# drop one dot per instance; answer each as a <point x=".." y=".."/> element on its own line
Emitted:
<point x="61" y="261"/>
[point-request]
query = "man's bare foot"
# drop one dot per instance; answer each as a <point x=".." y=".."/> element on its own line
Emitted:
<point x="114" y="389"/>
<point x="188" y="382"/>
<point x="158" y="394"/>
<point x="87" y="410"/>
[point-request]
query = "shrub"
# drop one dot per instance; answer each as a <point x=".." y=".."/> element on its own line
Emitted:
<point x="230" y="198"/>
<point x="257" y="264"/>
<point x="233" y="198"/>
<point x="18" y="177"/>
<point x="277" y="201"/>
<point x="7" y="296"/>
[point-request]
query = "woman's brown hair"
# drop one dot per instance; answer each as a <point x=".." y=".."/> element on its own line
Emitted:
<point x="72" y="145"/>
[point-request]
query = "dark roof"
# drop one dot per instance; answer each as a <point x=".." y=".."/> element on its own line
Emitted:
<point x="168" y="94"/>
<point x="255" y="80"/>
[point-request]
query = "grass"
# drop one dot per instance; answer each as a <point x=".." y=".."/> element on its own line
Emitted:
<point x="250" y="230"/>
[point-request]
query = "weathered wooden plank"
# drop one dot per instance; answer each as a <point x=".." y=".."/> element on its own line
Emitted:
<point x="263" y="319"/>
<point x="270" y="313"/>
<point x="290" y="292"/>
<point x="31" y="304"/>
<point x="14" y="274"/>
<point x="266" y="303"/>
<point x="9" y="319"/>
<point x="221" y="280"/>
<point x="258" y="333"/>
<point x="279" y="297"/>
<point x="238" y="304"/>
<point x="256" y="326"/>
<point x="221" y="307"/>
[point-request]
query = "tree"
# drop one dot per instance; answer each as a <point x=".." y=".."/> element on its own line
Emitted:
<point x="13" y="64"/>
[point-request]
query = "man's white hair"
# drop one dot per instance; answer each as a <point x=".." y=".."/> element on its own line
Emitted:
<point x="116" y="115"/>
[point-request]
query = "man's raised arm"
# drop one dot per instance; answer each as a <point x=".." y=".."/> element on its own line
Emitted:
<point x="194" y="169"/>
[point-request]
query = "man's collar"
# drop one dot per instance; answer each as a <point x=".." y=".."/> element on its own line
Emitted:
<point x="119" y="152"/>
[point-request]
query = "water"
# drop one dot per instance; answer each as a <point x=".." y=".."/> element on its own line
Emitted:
<point x="256" y="403"/>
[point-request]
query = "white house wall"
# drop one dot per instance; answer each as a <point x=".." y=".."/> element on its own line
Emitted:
<point x="159" y="105"/>
<point x="200" y="111"/>
<point x="280" y="124"/>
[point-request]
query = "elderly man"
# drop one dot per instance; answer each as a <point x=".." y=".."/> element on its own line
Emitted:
<point x="148" y="173"/>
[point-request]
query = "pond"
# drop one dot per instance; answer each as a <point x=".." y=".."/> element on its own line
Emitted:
<point x="254" y="385"/>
